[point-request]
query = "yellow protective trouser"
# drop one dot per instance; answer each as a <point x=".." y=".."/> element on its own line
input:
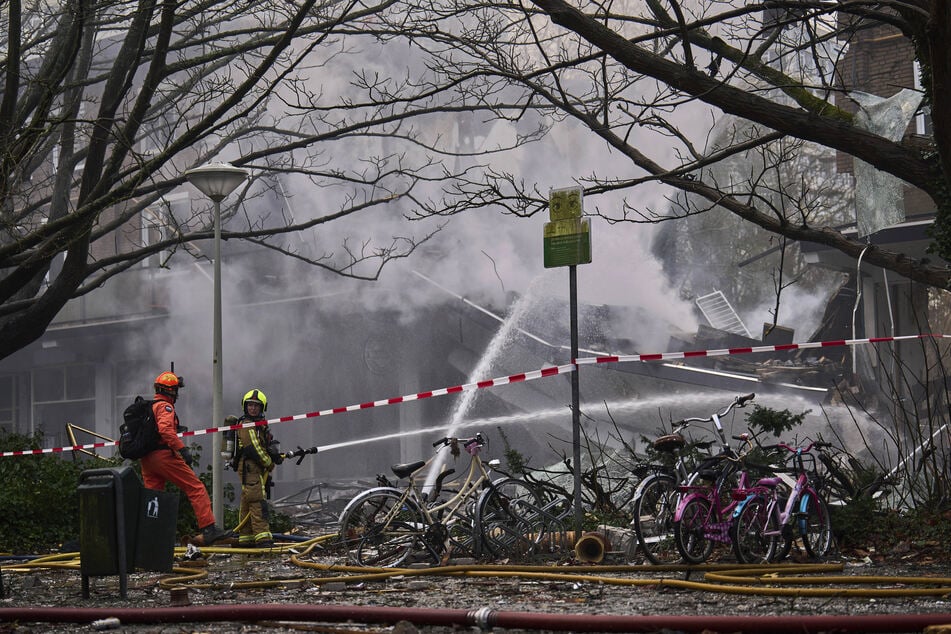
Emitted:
<point x="253" y="504"/>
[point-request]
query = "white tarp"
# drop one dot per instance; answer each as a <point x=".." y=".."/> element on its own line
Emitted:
<point x="879" y="200"/>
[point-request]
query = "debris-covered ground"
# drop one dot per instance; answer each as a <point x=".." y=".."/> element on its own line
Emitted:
<point x="295" y="575"/>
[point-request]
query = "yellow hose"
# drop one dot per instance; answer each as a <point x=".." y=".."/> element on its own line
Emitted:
<point x="757" y="580"/>
<point x="794" y="580"/>
<point x="725" y="578"/>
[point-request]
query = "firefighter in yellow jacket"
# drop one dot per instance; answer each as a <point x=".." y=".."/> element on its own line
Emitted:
<point x="257" y="455"/>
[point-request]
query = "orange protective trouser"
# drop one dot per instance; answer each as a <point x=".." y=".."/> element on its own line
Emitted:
<point x="164" y="465"/>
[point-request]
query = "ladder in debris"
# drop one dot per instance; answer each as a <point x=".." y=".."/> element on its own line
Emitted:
<point x="721" y="314"/>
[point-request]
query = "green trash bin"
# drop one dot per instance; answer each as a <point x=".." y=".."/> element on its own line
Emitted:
<point x="155" y="536"/>
<point x="108" y="512"/>
<point x="123" y="526"/>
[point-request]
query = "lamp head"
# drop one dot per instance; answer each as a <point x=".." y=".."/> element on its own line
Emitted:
<point x="216" y="180"/>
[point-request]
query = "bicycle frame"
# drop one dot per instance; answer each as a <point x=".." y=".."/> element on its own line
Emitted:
<point x="718" y="531"/>
<point x="435" y="518"/>
<point x="475" y="479"/>
<point x="477" y="476"/>
<point x="769" y="487"/>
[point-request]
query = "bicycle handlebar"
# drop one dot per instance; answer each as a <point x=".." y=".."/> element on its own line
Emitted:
<point x="815" y="444"/>
<point x="445" y="441"/>
<point x="739" y="401"/>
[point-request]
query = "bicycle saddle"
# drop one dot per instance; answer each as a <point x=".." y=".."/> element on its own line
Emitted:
<point x="403" y="470"/>
<point x="669" y="443"/>
<point x="769" y="482"/>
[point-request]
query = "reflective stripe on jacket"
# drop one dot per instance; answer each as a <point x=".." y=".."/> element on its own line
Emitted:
<point x="251" y="443"/>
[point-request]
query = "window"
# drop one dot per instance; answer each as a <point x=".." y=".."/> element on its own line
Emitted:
<point x="63" y="394"/>
<point x="923" y="123"/>
<point x="8" y="403"/>
<point x="149" y="144"/>
<point x="50" y="419"/>
<point x="49" y="384"/>
<point x="82" y="134"/>
<point x="56" y="265"/>
<point x="130" y="382"/>
<point x="159" y="222"/>
<point x="80" y="382"/>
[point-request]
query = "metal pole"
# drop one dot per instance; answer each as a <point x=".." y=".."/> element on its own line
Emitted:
<point x="217" y="180"/>
<point x="575" y="397"/>
<point x="217" y="487"/>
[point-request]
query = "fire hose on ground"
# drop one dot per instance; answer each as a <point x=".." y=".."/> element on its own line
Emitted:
<point x="483" y="618"/>
<point x="764" y="580"/>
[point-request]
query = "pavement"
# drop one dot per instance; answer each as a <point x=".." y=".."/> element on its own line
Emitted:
<point x="291" y="589"/>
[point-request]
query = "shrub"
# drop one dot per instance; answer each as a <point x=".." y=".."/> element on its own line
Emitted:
<point x="41" y="503"/>
<point x="38" y="497"/>
<point x="890" y="533"/>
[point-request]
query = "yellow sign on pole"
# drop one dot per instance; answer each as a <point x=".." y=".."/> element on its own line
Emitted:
<point x="567" y="238"/>
<point x="565" y="203"/>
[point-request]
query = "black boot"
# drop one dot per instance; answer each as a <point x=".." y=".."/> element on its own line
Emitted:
<point x="211" y="534"/>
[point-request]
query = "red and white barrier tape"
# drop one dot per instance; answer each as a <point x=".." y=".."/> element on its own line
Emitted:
<point x="728" y="351"/>
<point x="513" y="378"/>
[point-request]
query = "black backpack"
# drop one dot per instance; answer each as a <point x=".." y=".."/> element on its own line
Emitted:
<point x="138" y="434"/>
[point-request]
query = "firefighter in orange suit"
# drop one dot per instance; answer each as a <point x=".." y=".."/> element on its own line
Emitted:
<point x="257" y="454"/>
<point x="172" y="462"/>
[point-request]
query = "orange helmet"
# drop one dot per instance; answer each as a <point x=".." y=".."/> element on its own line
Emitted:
<point x="168" y="383"/>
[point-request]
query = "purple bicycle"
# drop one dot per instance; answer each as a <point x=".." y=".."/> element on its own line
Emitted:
<point x="770" y="515"/>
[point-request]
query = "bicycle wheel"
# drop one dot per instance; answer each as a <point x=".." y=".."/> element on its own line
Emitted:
<point x="653" y="509"/>
<point x="380" y="528"/>
<point x="462" y="531"/>
<point x="815" y="525"/>
<point x="755" y="532"/>
<point x="509" y="520"/>
<point x="689" y="531"/>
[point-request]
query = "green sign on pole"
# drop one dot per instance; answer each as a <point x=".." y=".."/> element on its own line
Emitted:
<point x="567" y="238"/>
<point x="567" y="242"/>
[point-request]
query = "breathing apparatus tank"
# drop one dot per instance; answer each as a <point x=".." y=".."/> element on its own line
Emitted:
<point x="229" y="444"/>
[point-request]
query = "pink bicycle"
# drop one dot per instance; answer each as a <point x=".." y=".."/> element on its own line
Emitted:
<point x="766" y="520"/>
<point x="701" y="519"/>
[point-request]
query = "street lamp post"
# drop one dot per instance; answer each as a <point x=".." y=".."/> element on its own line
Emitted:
<point x="217" y="181"/>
